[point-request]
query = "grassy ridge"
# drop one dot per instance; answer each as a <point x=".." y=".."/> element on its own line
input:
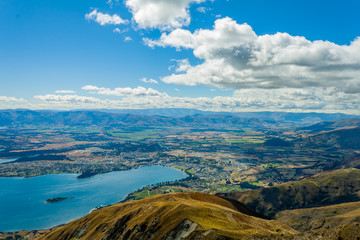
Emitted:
<point x="186" y="215"/>
<point x="327" y="188"/>
<point x="343" y="138"/>
<point x="321" y="218"/>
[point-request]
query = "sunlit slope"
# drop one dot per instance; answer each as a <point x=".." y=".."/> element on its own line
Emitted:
<point x="333" y="125"/>
<point x="343" y="138"/>
<point x="324" y="189"/>
<point x="321" y="218"/>
<point x="172" y="216"/>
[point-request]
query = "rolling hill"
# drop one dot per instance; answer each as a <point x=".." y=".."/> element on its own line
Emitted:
<point x="327" y="188"/>
<point x="173" y="216"/>
<point x="341" y="138"/>
<point x="332" y="125"/>
<point x="321" y="218"/>
<point x="325" y="206"/>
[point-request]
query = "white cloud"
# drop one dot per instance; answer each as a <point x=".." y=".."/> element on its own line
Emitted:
<point x="64" y="91"/>
<point x="66" y="98"/>
<point x="162" y="14"/>
<point x="293" y="99"/>
<point x="11" y="99"/>
<point x="182" y="65"/>
<point x="127" y="39"/>
<point x="105" y="19"/>
<point x="127" y="91"/>
<point x="145" y="80"/>
<point x="117" y="30"/>
<point x="202" y="9"/>
<point x="234" y="56"/>
<point x="111" y="2"/>
<point x="51" y="101"/>
<point x="256" y="99"/>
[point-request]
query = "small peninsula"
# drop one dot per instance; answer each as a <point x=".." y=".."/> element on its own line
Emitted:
<point x="57" y="199"/>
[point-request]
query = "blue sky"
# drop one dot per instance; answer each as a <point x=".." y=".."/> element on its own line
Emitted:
<point x="235" y="55"/>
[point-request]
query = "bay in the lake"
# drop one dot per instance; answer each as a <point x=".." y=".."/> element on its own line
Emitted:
<point x="22" y="200"/>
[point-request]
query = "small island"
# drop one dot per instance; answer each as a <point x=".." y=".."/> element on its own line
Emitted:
<point x="57" y="199"/>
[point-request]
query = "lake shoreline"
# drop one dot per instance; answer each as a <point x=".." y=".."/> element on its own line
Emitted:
<point x="171" y="176"/>
<point x="92" y="175"/>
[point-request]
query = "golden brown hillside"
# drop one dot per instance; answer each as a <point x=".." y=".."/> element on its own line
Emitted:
<point x="321" y="218"/>
<point x="172" y="216"/>
<point x="327" y="188"/>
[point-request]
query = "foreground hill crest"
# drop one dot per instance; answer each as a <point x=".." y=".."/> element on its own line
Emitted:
<point x="172" y="216"/>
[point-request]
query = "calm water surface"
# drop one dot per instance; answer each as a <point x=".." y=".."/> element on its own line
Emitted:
<point x="22" y="200"/>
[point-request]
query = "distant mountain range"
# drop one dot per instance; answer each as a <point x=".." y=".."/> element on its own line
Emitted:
<point x="333" y="125"/>
<point x="18" y="118"/>
<point x="159" y="118"/>
<point x="304" y="118"/>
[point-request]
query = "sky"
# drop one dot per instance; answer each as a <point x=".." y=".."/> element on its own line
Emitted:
<point x="214" y="55"/>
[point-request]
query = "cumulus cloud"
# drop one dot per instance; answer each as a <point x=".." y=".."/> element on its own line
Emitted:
<point x="127" y="91"/>
<point x="323" y="99"/>
<point x="52" y="101"/>
<point x="105" y="19"/>
<point x="66" y="98"/>
<point x="235" y="56"/>
<point x="162" y="14"/>
<point x="117" y="30"/>
<point x="182" y="65"/>
<point x="64" y="91"/>
<point x="255" y="99"/>
<point x="11" y="99"/>
<point x="293" y="100"/>
<point x="127" y="39"/>
<point x="145" y="80"/>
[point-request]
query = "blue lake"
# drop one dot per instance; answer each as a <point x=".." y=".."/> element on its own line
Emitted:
<point x="22" y="200"/>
